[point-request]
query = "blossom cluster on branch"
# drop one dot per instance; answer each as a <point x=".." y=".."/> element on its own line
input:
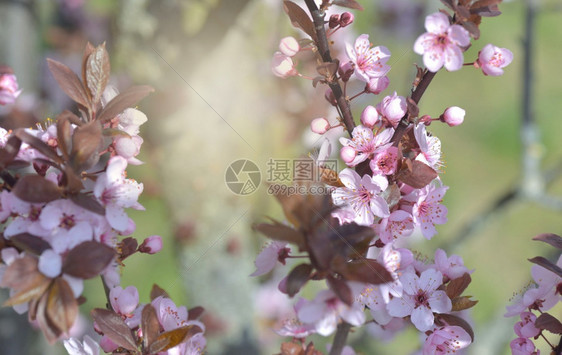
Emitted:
<point x="63" y="202"/>
<point x="391" y="188"/>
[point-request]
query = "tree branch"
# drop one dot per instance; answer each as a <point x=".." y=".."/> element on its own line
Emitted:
<point x="340" y="339"/>
<point x="324" y="50"/>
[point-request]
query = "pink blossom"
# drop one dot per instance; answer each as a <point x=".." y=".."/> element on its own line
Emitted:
<point x="454" y="116"/>
<point x="420" y="298"/>
<point x="170" y="316"/>
<point x="386" y="332"/>
<point x="292" y="327"/>
<point x="399" y="224"/>
<point x="365" y="143"/>
<point x="492" y="59"/>
<point x="320" y="125"/>
<point x="370" y="117"/>
<point x="107" y="344"/>
<point x="8" y="89"/>
<point x="446" y="340"/>
<point x="393" y="108"/>
<point x="282" y="65"/>
<point x="50" y="263"/>
<point x="128" y="148"/>
<point x="428" y="210"/>
<point x="452" y="267"/>
<point x="326" y="310"/>
<point x="362" y="195"/>
<point x="440" y="45"/>
<point x="151" y="245"/>
<point x="385" y="162"/>
<point x="394" y="260"/>
<point x="124" y="301"/>
<point x="377" y="85"/>
<point x="89" y="347"/>
<point x="289" y="46"/>
<point x="348" y="154"/>
<point x="130" y="121"/>
<point x="369" y="62"/>
<point x="523" y="346"/>
<point x="526" y="327"/>
<point x="273" y="253"/>
<point x="430" y="147"/>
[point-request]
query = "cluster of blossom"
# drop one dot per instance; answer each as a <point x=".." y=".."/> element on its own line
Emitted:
<point x="541" y="295"/>
<point x="64" y="218"/>
<point x="391" y="185"/>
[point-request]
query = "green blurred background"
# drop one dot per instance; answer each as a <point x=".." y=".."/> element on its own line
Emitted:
<point x="216" y="101"/>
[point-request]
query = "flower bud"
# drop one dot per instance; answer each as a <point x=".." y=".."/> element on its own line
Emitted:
<point x="345" y="70"/>
<point x="346" y="19"/>
<point x="369" y="117"/>
<point x="8" y="88"/>
<point x="334" y="21"/>
<point x="329" y="96"/>
<point x="320" y="125"/>
<point x="282" y="65"/>
<point x="50" y="263"/>
<point x="377" y="85"/>
<point x="347" y="154"/>
<point x="151" y="245"/>
<point x="289" y="46"/>
<point x="453" y="116"/>
<point x="393" y="107"/>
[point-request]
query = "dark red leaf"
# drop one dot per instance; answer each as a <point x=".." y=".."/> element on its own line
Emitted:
<point x="282" y="232"/>
<point x="462" y="303"/>
<point x="88" y="259"/>
<point x="87" y="51"/>
<point x="64" y="137"/>
<point x="86" y="143"/>
<point x="97" y="73"/>
<point x="449" y="4"/>
<point x="290" y="348"/>
<point x="38" y="144"/>
<point x="127" y="247"/>
<point x="36" y="189"/>
<point x="457" y="286"/>
<point x="455" y="320"/>
<point x="62" y="308"/>
<point x="88" y="202"/>
<point x="112" y="325"/>
<point x="195" y="312"/>
<point x="150" y="325"/>
<point x="72" y="181"/>
<point x="69" y="82"/>
<point x="548" y="322"/>
<point x="350" y="4"/>
<point x="124" y="100"/>
<point x="341" y="289"/>
<point x="9" y="152"/>
<point x="173" y="338"/>
<point x="363" y="270"/>
<point x="30" y="243"/>
<point x="157" y="291"/>
<point x="297" y="278"/>
<point x="539" y="260"/>
<point x="299" y="18"/>
<point x="416" y="174"/>
<point x="552" y="239"/>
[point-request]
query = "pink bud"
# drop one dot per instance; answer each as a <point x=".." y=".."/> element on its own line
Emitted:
<point x="334" y="21"/>
<point x="493" y="59"/>
<point x="329" y="96"/>
<point x="282" y="65"/>
<point x="8" y="88"/>
<point x="377" y="85"/>
<point x="320" y="125"/>
<point x="151" y="245"/>
<point x="346" y="19"/>
<point x="453" y="116"/>
<point x="345" y="70"/>
<point x="347" y="154"/>
<point x="369" y="117"/>
<point x="289" y="46"/>
<point x="393" y="107"/>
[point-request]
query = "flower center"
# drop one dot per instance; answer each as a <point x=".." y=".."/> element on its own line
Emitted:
<point x="67" y="221"/>
<point x="421" y="299"/>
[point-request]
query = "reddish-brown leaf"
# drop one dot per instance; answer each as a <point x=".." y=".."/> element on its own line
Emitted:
<point x="97" y="73"/>
<point x="328" y="70"/>
<point x="291" y="349"/>
<point x="88" y="202"/>
<point x="457" y="286"/>
<point x="299" y="18"/>
<point x="195" y="312"/>
<point x="71" y="180"/>
<point x="86" y="142"/>
<point x="31" y="289"/>
<point x="87" y="51"/>
<point x="297" y="278"/>
<point x="341" y="289"/>
<point x="548" y="322"/>
<point x="455" y="320"/>
<point x="364" y="270"/>
<point x="157" y="291"/>
<point x="416" y="174"/>
<point x="552" y="239"/>
<point x="127" y="247"/>
<point x="87" y="259"/>
<point x="30" y="243"/>
<point x="462" y="303"/>
<point x="124" y="100"/>
<point x="279" y="231"/>
<point x="539" y="260"/>
<point x="36" y="189"/>
<point x="62" y="308"/>
<point x="38" y="144"/>
<point x="472" y="28"/>
<point x="449" y="4"/>
<point x="350" y="4"/>
<point x="50" y="331"/>
<point x="64" y="137"/>
<point x="172" y="338"/>
<point x="9" y="152"/>
<point x="111" y="325"/>
<point x="69" y="82"/>
<point x="150" y="325"/>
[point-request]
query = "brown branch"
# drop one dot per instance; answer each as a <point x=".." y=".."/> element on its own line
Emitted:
<point x="324" y="50"/>
<point x="340" y="339"/>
